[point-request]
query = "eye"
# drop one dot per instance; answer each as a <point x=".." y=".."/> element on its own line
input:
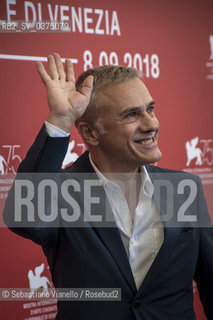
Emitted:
<point x="150" y="109"/>
<point x="131" y="114"/>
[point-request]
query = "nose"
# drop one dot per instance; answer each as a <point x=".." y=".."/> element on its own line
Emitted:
<point x="148" y="123"/>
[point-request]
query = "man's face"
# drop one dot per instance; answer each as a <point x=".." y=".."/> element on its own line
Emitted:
<point x="130" y="134"/>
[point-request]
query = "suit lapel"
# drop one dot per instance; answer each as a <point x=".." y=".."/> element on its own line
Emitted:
<point x="162" y="259"/>
<point x="110" y="236"/>
<point x="113" y="242"/>
<point x="170" y="236"/>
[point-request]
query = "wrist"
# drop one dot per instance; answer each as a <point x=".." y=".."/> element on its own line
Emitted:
<point x="54" y="131"/>
<point x="60" y="122"/>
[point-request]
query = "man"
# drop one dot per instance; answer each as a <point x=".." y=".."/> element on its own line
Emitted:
<point x="149" y="255"/>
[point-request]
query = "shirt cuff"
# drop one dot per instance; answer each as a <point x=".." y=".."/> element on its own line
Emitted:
<point x="54" y="131"/>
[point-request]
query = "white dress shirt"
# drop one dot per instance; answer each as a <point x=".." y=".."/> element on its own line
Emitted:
<point x="142" y="231"/>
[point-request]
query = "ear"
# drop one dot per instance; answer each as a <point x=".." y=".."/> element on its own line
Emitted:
<point x="88" y="133"/>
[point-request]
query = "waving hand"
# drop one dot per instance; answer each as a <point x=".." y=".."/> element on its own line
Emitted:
<point x="65" y="103"/>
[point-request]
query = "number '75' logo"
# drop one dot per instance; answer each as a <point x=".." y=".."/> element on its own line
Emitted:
<point x="13" y="159"/>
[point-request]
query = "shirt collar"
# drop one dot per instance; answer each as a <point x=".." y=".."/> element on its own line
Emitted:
<point x="146" y="188"/>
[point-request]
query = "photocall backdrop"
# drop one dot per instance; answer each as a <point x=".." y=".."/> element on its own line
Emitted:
<point x="171" y="42"/>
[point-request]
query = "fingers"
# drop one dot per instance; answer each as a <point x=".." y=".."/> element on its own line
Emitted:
<point x="59" y="67"/>
<point x="52" y="68"/>
<point x="87" y="86"/>
<point x="41" y="70"/>
<point x="70" y="74"/>
<point x="56" y="69"/>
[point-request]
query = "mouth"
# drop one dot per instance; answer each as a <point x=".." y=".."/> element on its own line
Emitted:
<point x="145" y="141"/>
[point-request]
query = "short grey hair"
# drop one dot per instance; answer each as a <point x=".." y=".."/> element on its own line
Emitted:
<point x="103" y="76"/>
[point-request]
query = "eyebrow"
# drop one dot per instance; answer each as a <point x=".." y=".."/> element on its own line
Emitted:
<point x="136" y="108"/>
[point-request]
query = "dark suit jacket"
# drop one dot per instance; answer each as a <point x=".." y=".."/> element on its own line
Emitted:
<point x="94" y="257"/>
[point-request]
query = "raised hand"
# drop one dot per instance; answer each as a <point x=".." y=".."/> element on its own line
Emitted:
<point x="65" y="103"/>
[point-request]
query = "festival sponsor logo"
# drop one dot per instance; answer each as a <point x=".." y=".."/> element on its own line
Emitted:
<point x="193" y="152"/>
<point x="3" y="165"/>
<point x="44" y="308"/>
<point x="72" y="156"/>
<point x="36" y="281"/>
<point x="199" y="158"/>
<point x="209" y="63"/>
<point x="9" y="161"/>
